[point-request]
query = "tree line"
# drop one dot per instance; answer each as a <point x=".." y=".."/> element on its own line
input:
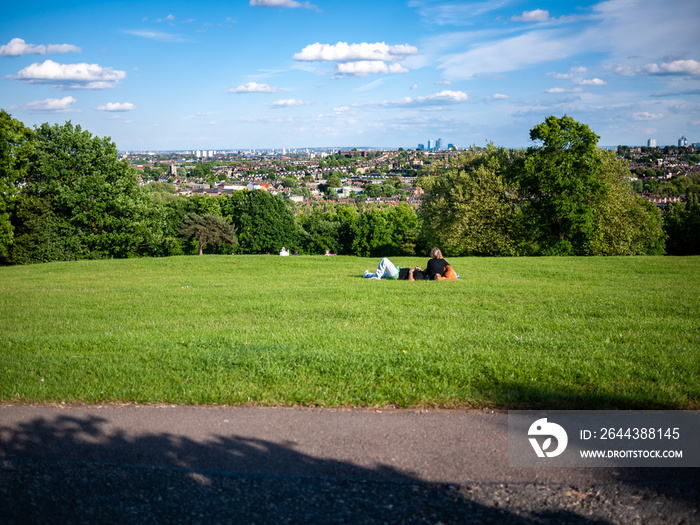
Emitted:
<point x="64" y="195"/>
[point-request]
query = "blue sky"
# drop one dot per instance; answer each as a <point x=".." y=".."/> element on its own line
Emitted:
<point x="285" y="73"/>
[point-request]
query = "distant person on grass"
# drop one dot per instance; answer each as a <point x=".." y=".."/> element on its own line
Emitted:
<point x="284" y="252"/>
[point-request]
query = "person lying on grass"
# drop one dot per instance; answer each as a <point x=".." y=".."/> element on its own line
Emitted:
<point x="438" y="269"/>
<point x="387" y="270"/>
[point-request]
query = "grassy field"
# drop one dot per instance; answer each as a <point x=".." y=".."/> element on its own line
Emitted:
<point x="528" y="332"/>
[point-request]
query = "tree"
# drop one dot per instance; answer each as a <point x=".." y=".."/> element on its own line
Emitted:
<point x="91" y="200"/>
<point x="334" y="180"/>
<point x="404" y="229"/>
<point x="682" y="225"/>
<point x="371" y="235"/>
<point x="320" y="231"/>
<point x="577" y="200"/>
<point x="263" y="221"/>
<point x="560" y="186"/>
<point x="372" y="190"/>
<point x="625" y="223"/>
<point x="290" y="182"/>
<point x="470" y="210"/>
<point x="208" y="230"/>
<point x="15" y="151"/>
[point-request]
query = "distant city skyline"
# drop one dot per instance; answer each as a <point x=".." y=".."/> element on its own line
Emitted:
<point x="264" y="74"/>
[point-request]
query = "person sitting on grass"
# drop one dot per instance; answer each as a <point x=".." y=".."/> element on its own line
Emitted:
<point x="436" y="265"/>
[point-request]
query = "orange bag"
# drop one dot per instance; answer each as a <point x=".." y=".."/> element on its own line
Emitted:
<point x="450" y="274"/>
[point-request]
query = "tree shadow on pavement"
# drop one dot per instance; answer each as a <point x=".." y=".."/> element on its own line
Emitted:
<point x="68" y="469"/>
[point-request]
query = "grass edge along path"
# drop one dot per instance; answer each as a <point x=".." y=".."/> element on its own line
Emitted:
<point x="556" y="333"/>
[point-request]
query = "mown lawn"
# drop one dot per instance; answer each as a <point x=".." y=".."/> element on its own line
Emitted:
<point x="559" y="333"/>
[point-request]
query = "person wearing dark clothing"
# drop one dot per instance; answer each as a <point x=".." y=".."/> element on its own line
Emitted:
<point x="436" y="265"/>
<point x="411" y="274"/>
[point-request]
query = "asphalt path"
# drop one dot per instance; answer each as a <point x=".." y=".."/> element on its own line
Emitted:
<point x="184" y="464"/>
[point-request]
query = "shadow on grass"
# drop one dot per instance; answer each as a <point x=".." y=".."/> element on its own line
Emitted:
<point x="520" y="396"/>
<point x="67" y="469"/>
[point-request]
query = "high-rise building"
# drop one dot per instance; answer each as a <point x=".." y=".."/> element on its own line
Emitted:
<point x="438" y="145"/>
<point x="421" y="147"/>
<point x="682" y="142"/>
<point x="651" y="143"/>
<point x="430" y="145"/>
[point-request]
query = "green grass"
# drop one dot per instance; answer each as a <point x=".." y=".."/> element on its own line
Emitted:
<point x="539" y="332"/>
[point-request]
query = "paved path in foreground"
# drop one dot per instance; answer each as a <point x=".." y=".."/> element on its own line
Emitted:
<point x="166" y="464"/>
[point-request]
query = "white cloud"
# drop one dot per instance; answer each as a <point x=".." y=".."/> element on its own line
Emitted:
<point x="560" y="90"/>
<point x="510" y="54"/>
<point x="371" y="85"/>
<point x="435" y="99"/>
<point x="363" y="68"/>
<point x="344" y="52"/>
<point x="677" y="67"/>
<point x="500" y="96"/>
<point x="443" y="13"/>
<point x="50" y="105"/>
<point x="117" y="106"/>
<point x="155" y="35"/>
<point x="290" y="4"/>
<point x="18" y="47"/>
<point x="71" y="76"/>
<point x="624" y="30"/>
<point x="253" y="87"/>
<point x="647" y="116"/>
<point x="593" y="82"/>
<point x="538" y="15"/>
<point x="289" y="103"/>
<point x="629" y="29"/>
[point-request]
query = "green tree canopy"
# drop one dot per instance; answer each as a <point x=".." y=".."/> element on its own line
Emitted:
<point x="560" y="182"/>
<point x="470" y="210"/>
<point x="263" y="221"/>
<point x="682" y="225"/>
<point x="209" y="229"/>
<point x="625" y="223"/>
<point x="15" y="151"/>
<point x="79" y="201"/>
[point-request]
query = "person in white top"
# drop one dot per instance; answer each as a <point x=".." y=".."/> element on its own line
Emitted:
<point x="284" y="252"/>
